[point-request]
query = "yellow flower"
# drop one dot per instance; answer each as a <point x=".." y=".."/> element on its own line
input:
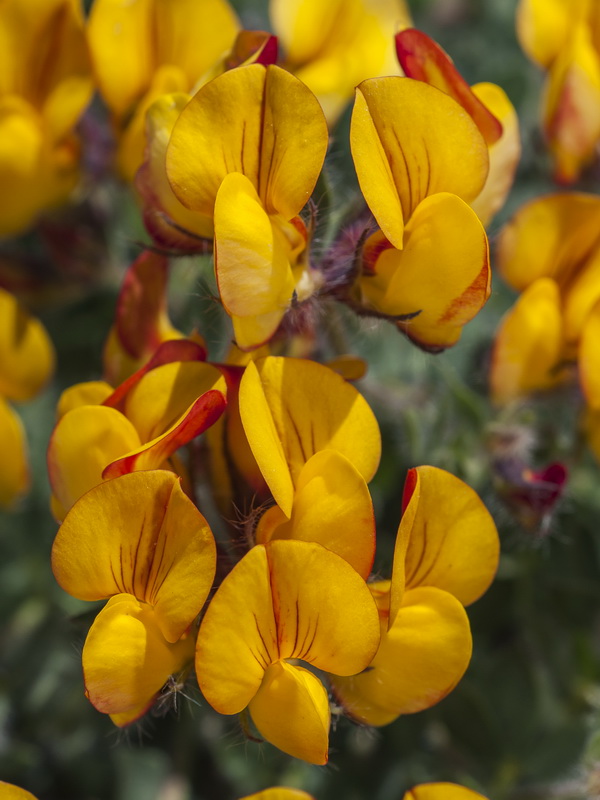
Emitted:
<point x="142" y="49"/>
<point x="420" y="160"/>
<point x="26" y="364"/>
<point x="445" y="557"/>
<point x="285" y="602"/>
<point x="334" y="46"/>
<point x="247" y="151"/>
<point x="45" y="85"/>
<point x="141" y="542"/>
<point x="563" y="37"/>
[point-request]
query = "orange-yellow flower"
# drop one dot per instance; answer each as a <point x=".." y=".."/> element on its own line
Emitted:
<point x="141" y="542"/>
<point x="420" y="161"/>
<point x="445" y="557"/>
<point x="285" y="602"/>
<point x="247" y="151"/>
<point x="45" y="85"/>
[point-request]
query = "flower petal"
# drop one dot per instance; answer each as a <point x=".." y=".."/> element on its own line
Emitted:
<point x="589" y="368"/>
<point x="291" y="711"/>
<point x="504" y="154"/>
<point x="230" y="669"/>
<point x="126" y="659"/>
<point x="453" y="542"/>
<point x="528" y="348"/>
<point x="14" y="471"/>
<point x="325" y="613"/>
<point x="410" y="140"/>
<point x="246" y="121"/>
<point x="420" y="660"/>
<point x="422" y="59"/>
<point x="441" y="791"/>
<point x="275" y="793"/>
<point x="203" y="413"/>
<point x="549" y="237"/>
<point x="164" y="394"/>
<point x="138" y="534"/>
<point x="332" y="506"/>
<point x="442" y="276"/>
<point x="82" y="444"/>
<point x="26" y="352"/>
<point x="572" y="106"/>
<point x="252" y="258"/>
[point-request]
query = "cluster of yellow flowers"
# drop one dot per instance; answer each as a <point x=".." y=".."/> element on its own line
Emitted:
<point x="224" y="143"/>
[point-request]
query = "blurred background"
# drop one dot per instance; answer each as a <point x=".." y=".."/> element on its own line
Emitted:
<point x="524" y="723"/>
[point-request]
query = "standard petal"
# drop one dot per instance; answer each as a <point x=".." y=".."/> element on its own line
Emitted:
<point x="230" y="668"/>
<point x="246" y="121"/>
<point x="504" y="154"/>
<point x="26" y="352"/>
<point x="420" y="660"/>
<point x="529" y="345"/>
<point x="291" y="711"/>
<point x="453" y="543"/>
<point x="423" y="59"/>
<point x="332" y="506"/>
<point x="413" y="139"/>
<point x="549" y="237"/>
<point x="14" y="471"/>
<point x="126" y="659"/>
<point x="82" y="444"/>
<point x="441" y="279"/>
<point x="292" y="409"/>
<point x="290" y="164"/>
<point x="325" y="613"/>
<point x="138" y="534"/>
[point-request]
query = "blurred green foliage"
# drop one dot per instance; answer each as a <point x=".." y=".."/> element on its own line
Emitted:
<point x="524" y="722"/>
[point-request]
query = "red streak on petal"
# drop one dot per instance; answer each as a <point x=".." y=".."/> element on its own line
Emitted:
<point x="167" y="353"/>
<point x="424" y="60"/>
<point x="203" y="413"/>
